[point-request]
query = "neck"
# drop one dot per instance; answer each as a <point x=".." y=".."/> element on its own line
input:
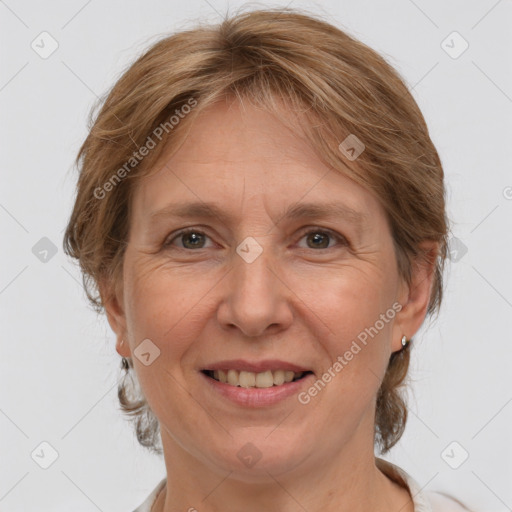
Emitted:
<point x="341" y="484"/>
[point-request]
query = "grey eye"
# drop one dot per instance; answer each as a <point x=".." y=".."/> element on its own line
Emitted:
<point x="319" y="239"/>
<point x="190" y="239"/>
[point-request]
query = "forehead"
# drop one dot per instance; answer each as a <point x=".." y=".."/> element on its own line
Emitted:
<point x="236" y="132"/>
<point x="235" y="154"/>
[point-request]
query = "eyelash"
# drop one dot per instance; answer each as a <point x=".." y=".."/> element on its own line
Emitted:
<point x="340" y="238"/>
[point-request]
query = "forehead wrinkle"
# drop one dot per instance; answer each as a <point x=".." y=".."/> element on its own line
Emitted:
<point x="313" y="211"/>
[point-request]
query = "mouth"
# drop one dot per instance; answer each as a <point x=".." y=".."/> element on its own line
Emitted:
<point x="247" y="379"/>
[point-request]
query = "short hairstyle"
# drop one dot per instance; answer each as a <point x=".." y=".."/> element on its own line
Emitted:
<point x="334" y="84"/>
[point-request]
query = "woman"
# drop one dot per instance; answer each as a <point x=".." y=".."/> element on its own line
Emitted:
<point x="260" y="212"/>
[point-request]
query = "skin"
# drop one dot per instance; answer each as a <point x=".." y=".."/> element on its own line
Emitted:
<point x="297" y="302"/>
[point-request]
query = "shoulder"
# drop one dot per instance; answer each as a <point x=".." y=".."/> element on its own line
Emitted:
<point x="148" y="502"/>
<point x="424" y="501"/>
<point x="441" y="502"/>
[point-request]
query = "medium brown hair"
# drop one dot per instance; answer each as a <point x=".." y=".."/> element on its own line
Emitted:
<point x="335" y="84"/>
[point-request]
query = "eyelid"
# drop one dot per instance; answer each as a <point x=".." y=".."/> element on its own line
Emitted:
<point x="191" y="229"/>
<point x="341" y="239"/>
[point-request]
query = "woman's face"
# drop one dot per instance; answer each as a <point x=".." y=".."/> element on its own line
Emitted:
<point x="256" y="288"/>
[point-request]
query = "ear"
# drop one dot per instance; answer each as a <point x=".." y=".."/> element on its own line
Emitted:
<point x="112" y="298"/>
<point x="414" y="298"/>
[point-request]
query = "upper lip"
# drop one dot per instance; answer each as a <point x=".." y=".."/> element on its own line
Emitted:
<point x="256" y="366"/>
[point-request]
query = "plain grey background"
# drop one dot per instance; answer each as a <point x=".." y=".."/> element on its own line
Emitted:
<point x="59" y="368"/>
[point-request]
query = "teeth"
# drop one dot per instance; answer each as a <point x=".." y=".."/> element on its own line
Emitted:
<point x="288" y="376"/>
<point x="247" y="379"/>
<point x="279" y="377"/>
<point x="265" y="379"/>
<point x="233" y="377"/>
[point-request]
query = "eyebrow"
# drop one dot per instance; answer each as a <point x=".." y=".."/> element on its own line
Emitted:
<point x="297" y="211"/>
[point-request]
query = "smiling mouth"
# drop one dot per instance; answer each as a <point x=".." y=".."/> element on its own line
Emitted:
<point x="246" y="379"/>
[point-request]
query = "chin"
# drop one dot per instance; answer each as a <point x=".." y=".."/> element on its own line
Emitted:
<point x="256" y="460"/>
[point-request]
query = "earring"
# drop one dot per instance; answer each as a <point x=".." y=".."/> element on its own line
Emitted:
<point x="405" y="341"/>
<point x="125" y="365"/>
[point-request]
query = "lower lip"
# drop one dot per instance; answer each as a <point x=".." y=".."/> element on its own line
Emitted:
<point x="257" y="397"/>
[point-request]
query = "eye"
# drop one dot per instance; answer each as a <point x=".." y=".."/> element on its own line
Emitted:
<point x="190" y="238"/>
<point x="320" y="238"/>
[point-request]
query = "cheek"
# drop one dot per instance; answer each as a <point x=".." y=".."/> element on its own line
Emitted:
<point x="170" y="307"/>
<point x="356" y="309"/>
<point x="357" y="350"/>
<point x="348" y="300"/>
<point x="165" y="308"/>
<point x="160" y="298"/>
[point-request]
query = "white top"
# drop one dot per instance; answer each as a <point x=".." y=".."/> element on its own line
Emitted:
<point x="424" y="501"/>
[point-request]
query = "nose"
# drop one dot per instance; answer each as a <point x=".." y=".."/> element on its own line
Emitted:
<point x="256" y="300"/>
